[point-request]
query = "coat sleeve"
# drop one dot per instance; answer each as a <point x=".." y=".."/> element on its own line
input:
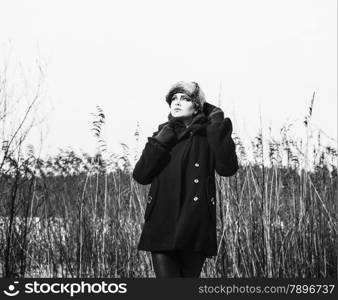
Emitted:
<point x="155" y="156"/>
<point x="223" y="148"/>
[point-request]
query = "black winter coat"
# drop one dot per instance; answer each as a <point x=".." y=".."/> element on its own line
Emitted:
<point x="181" y="203"/>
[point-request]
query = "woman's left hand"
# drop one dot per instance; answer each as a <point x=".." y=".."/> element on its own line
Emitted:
<point x="220" y="129"/>
<point x="222" y="145"/>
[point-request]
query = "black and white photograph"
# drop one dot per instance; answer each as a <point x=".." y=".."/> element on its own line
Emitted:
<point x="168" y="139"/>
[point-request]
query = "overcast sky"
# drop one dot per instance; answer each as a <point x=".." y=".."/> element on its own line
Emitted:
<point x="268" y="55"/>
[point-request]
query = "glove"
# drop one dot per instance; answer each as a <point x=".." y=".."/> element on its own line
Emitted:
<point x="167" y="135"/>
<point x="219" y="138"/>
<point x="214" y="114"/>
<point x="220" y="129"/>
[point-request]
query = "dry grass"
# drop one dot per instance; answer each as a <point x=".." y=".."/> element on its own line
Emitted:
<point x="72" y="218"/>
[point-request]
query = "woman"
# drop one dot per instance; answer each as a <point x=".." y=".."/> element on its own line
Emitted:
<point x="179" y="161"/>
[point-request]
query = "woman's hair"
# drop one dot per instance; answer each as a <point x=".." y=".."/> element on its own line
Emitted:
<point x="190" y="88"/>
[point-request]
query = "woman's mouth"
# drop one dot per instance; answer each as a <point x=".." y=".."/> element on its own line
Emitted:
<point x="177" y="109"/>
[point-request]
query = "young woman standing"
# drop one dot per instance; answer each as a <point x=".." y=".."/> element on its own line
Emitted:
<point x="179" y="161"/>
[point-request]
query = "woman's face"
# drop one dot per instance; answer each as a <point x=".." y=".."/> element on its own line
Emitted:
<point x="181" y="105"/>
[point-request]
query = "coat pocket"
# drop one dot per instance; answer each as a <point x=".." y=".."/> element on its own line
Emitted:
<point x="211" y="197"/>
<point x="151" y="199"/>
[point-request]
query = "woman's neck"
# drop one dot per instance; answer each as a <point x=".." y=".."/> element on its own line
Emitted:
<point x="185" y="119"/>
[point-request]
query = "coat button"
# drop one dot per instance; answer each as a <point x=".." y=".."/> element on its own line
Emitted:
<point x="196" y="180"/>
<point x="191" y="133"/>
<point x="197" y="165"/>
<point x="212" y="200"/>
<point x="149" y="199"/>
<point x="195" y="198"/>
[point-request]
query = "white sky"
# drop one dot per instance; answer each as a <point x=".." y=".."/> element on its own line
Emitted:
<point x="124" y="55"/>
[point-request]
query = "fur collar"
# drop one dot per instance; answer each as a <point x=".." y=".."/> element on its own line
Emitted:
<point x="198" y="123"/>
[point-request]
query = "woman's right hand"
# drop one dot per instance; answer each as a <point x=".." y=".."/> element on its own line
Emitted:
<point x="167" y="135"/>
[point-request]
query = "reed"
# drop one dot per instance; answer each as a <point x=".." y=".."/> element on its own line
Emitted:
<point x="81" y="216"/>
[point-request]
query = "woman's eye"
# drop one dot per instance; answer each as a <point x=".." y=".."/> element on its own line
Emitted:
<point x="182" y="98"/>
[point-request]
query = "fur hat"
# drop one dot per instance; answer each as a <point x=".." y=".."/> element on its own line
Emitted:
<point x="191" y="88"/>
